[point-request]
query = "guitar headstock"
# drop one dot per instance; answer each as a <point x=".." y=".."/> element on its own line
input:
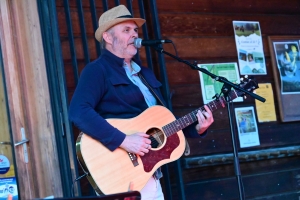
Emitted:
<point x="247" y="83"/>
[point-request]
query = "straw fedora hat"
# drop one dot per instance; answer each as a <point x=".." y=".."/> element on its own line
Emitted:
<point x="115" y="16"/>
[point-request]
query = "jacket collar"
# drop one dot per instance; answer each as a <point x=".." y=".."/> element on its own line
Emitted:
<point x="115" y="60"/>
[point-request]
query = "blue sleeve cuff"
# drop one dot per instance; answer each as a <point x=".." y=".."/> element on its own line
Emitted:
<point x="191" y="132"/>
<point x="116" y="141"/>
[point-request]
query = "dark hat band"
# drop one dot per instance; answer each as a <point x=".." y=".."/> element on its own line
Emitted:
<point x="125" y="16"/>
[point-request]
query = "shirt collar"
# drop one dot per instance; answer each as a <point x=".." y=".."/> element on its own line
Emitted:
<point x="135" y="67"/>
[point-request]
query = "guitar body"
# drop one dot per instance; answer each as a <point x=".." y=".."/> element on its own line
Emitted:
<point x="113" y="172"/>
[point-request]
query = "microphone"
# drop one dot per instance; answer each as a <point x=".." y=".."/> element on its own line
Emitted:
<point x="138" y="42"/>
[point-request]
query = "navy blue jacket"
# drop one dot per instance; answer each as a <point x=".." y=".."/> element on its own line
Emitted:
<point x="104" y="91"/>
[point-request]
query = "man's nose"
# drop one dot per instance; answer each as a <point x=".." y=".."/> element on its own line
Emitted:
<point x="135" y="34"/>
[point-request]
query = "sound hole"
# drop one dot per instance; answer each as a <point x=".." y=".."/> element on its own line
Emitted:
<point x="157" y="137"/>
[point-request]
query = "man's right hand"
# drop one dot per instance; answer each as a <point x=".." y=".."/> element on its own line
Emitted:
<point x="138" y="143"/>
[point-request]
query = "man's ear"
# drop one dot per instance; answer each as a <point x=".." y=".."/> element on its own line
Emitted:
<point x="107" y="37"/>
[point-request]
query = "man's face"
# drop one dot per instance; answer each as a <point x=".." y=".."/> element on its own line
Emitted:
<point x="123" y="36"/>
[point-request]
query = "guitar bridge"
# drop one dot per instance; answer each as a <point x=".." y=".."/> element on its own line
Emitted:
<point x="133" y="159"/>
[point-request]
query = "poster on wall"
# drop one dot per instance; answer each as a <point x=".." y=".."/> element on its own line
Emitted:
<point x="211" y="87"/>
<point x="265" y="110"/>
<point x="288" y="63"/>
<point x="285" y="57"/>
<point x="249" y="47"/>
<point x="247" y="127"/>
<point x="8" y="186"/>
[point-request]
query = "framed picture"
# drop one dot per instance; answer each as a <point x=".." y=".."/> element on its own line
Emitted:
<point x="285" y="57"/>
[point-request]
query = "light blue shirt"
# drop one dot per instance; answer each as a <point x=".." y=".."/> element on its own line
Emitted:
<point x="149" y="98"/>
<point x="133" y="76"/>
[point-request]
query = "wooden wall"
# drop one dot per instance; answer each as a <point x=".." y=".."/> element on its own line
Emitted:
<point x="203" y="32"/>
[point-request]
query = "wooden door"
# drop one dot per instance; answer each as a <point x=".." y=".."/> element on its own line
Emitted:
<point x="28" y="100"/>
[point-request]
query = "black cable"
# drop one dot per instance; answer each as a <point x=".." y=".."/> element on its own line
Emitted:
<point x="80" y="177"/>
<point x="174" y="48"/>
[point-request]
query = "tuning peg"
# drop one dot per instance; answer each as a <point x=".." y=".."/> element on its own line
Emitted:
<point x="217" y="96"/>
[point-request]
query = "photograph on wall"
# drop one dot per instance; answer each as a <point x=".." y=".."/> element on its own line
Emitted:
<point x="211" y="87"/>
<point x="249" y="47"/>
<point x="288" y="64"/>
<point x="247" y="126"/>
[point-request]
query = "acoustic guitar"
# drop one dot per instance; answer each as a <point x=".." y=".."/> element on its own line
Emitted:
<point x="113" y="172"/>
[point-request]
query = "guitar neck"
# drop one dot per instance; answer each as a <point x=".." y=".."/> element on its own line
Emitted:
<point x="190" y="118"/>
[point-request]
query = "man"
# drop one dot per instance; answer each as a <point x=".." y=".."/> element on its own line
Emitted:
<point x="110" y="87"/>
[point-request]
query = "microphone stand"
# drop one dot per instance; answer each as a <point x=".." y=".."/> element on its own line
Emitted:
<point x="227" y="85"/>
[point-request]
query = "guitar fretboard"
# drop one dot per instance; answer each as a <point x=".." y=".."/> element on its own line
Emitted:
<point x="190" y="118"/>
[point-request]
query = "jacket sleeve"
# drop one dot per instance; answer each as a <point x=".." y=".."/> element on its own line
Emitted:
<point x="191" y="132"/>
<point x="88" y="93"/>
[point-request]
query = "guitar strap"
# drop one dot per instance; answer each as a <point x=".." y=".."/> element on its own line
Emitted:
<point x="187" y="150"/>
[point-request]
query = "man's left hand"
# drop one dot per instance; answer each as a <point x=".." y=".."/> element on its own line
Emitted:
<point x="205" y="119"/>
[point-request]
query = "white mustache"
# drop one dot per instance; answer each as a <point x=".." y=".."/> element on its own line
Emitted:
<point x="131" y="42"/>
